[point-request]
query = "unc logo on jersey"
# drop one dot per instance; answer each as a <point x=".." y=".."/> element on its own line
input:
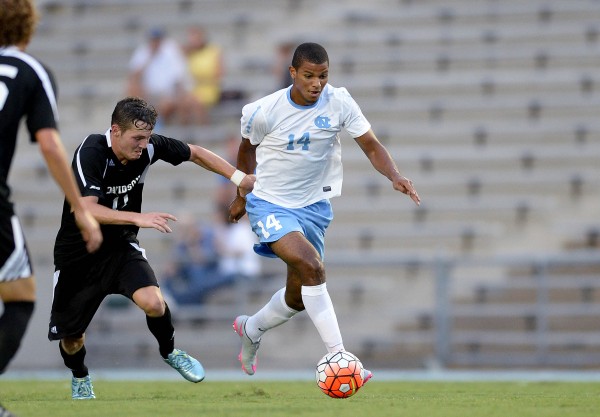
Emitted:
<point x="322" y="122"/>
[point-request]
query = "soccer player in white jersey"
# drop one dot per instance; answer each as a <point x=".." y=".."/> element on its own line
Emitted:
<point x="291" y="139"/>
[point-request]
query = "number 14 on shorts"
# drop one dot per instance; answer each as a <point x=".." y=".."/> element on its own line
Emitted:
<point x="272" y="222"/>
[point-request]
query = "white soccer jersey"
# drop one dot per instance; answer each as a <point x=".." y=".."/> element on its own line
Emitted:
<point x="299" y="152"/>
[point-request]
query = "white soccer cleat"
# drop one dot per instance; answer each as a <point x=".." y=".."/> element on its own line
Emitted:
<point x="247" y="355"/>
<point x="366" y="376"/>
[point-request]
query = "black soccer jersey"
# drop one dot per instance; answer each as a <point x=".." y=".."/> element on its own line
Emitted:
<point x="119" y="187"/>
<point x="27" y="89"/>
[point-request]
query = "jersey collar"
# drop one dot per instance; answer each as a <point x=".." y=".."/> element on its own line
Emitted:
<point x="297" y="106"/>
<point x="108" y="141"/>
<point x="9" y="48"/>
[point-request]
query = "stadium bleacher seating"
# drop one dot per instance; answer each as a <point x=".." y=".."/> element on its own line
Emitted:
<point x="491" y="107"/>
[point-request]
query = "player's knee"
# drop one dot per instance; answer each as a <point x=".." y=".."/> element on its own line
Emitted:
<point x="72" y="345"/>
<point x="150" y="300"/>
<point x="18" y="291"/>
<point x="312" y="272"/>
<point x="153" y="306"/>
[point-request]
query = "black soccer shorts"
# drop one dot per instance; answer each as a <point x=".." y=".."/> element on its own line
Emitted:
<point x="80" y="288"/>
<point x="15" y="262"/>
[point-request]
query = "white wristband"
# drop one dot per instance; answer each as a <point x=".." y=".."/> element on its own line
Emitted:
<point x="237" y="177"/>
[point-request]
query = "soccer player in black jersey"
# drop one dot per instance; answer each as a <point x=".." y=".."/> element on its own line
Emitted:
<point x="27" y="90"/>
<point x="111" y="171"/>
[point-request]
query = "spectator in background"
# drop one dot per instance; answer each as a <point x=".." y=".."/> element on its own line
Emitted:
<point x="238" y="261"/>
<point x="237" y="257"/>
<point x="210" y="256"/>
<point x="194" y="266"/>
<point x="158" y="73"/>
<point x="205" y="64"/>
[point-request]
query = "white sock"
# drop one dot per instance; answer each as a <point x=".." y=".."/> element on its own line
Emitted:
<point x="320" y="310"/>
<point x="274" y="313"/>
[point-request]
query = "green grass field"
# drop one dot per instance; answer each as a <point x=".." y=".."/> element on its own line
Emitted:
<point x="284" y="399"/>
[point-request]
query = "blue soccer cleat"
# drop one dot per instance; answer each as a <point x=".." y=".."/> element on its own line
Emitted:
<point x="5" y="413"/>
<point x="187" y="366"/>
<point x="82" y="388"/>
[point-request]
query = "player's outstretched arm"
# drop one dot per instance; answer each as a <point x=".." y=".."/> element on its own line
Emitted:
<point x="382" y="161"/>
<point x="155" y="220"/>
<point x="55" y="155"/>
<point x="213" y="162"/>
<point x="151" y="220"/>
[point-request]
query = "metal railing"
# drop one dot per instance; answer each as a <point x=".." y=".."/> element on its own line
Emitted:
<point x="504" y="311"/>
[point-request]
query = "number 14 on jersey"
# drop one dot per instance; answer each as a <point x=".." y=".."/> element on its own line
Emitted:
<point x="304" y="140"/>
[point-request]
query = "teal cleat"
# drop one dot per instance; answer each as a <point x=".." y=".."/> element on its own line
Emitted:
<point x="82" y="389"/>
<point x="187" y="366"/>
<point x="5" y="413"/>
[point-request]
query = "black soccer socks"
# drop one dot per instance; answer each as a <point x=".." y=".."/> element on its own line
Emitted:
<point x="13" y="325"/>
<point x="75" y="362"/>
<point x="163" y="331"/>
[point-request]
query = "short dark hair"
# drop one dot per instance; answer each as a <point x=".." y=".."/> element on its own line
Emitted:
<point x="311" y="52"/>
<point x="132" y="110"/>
<point x="18" y="19"/>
